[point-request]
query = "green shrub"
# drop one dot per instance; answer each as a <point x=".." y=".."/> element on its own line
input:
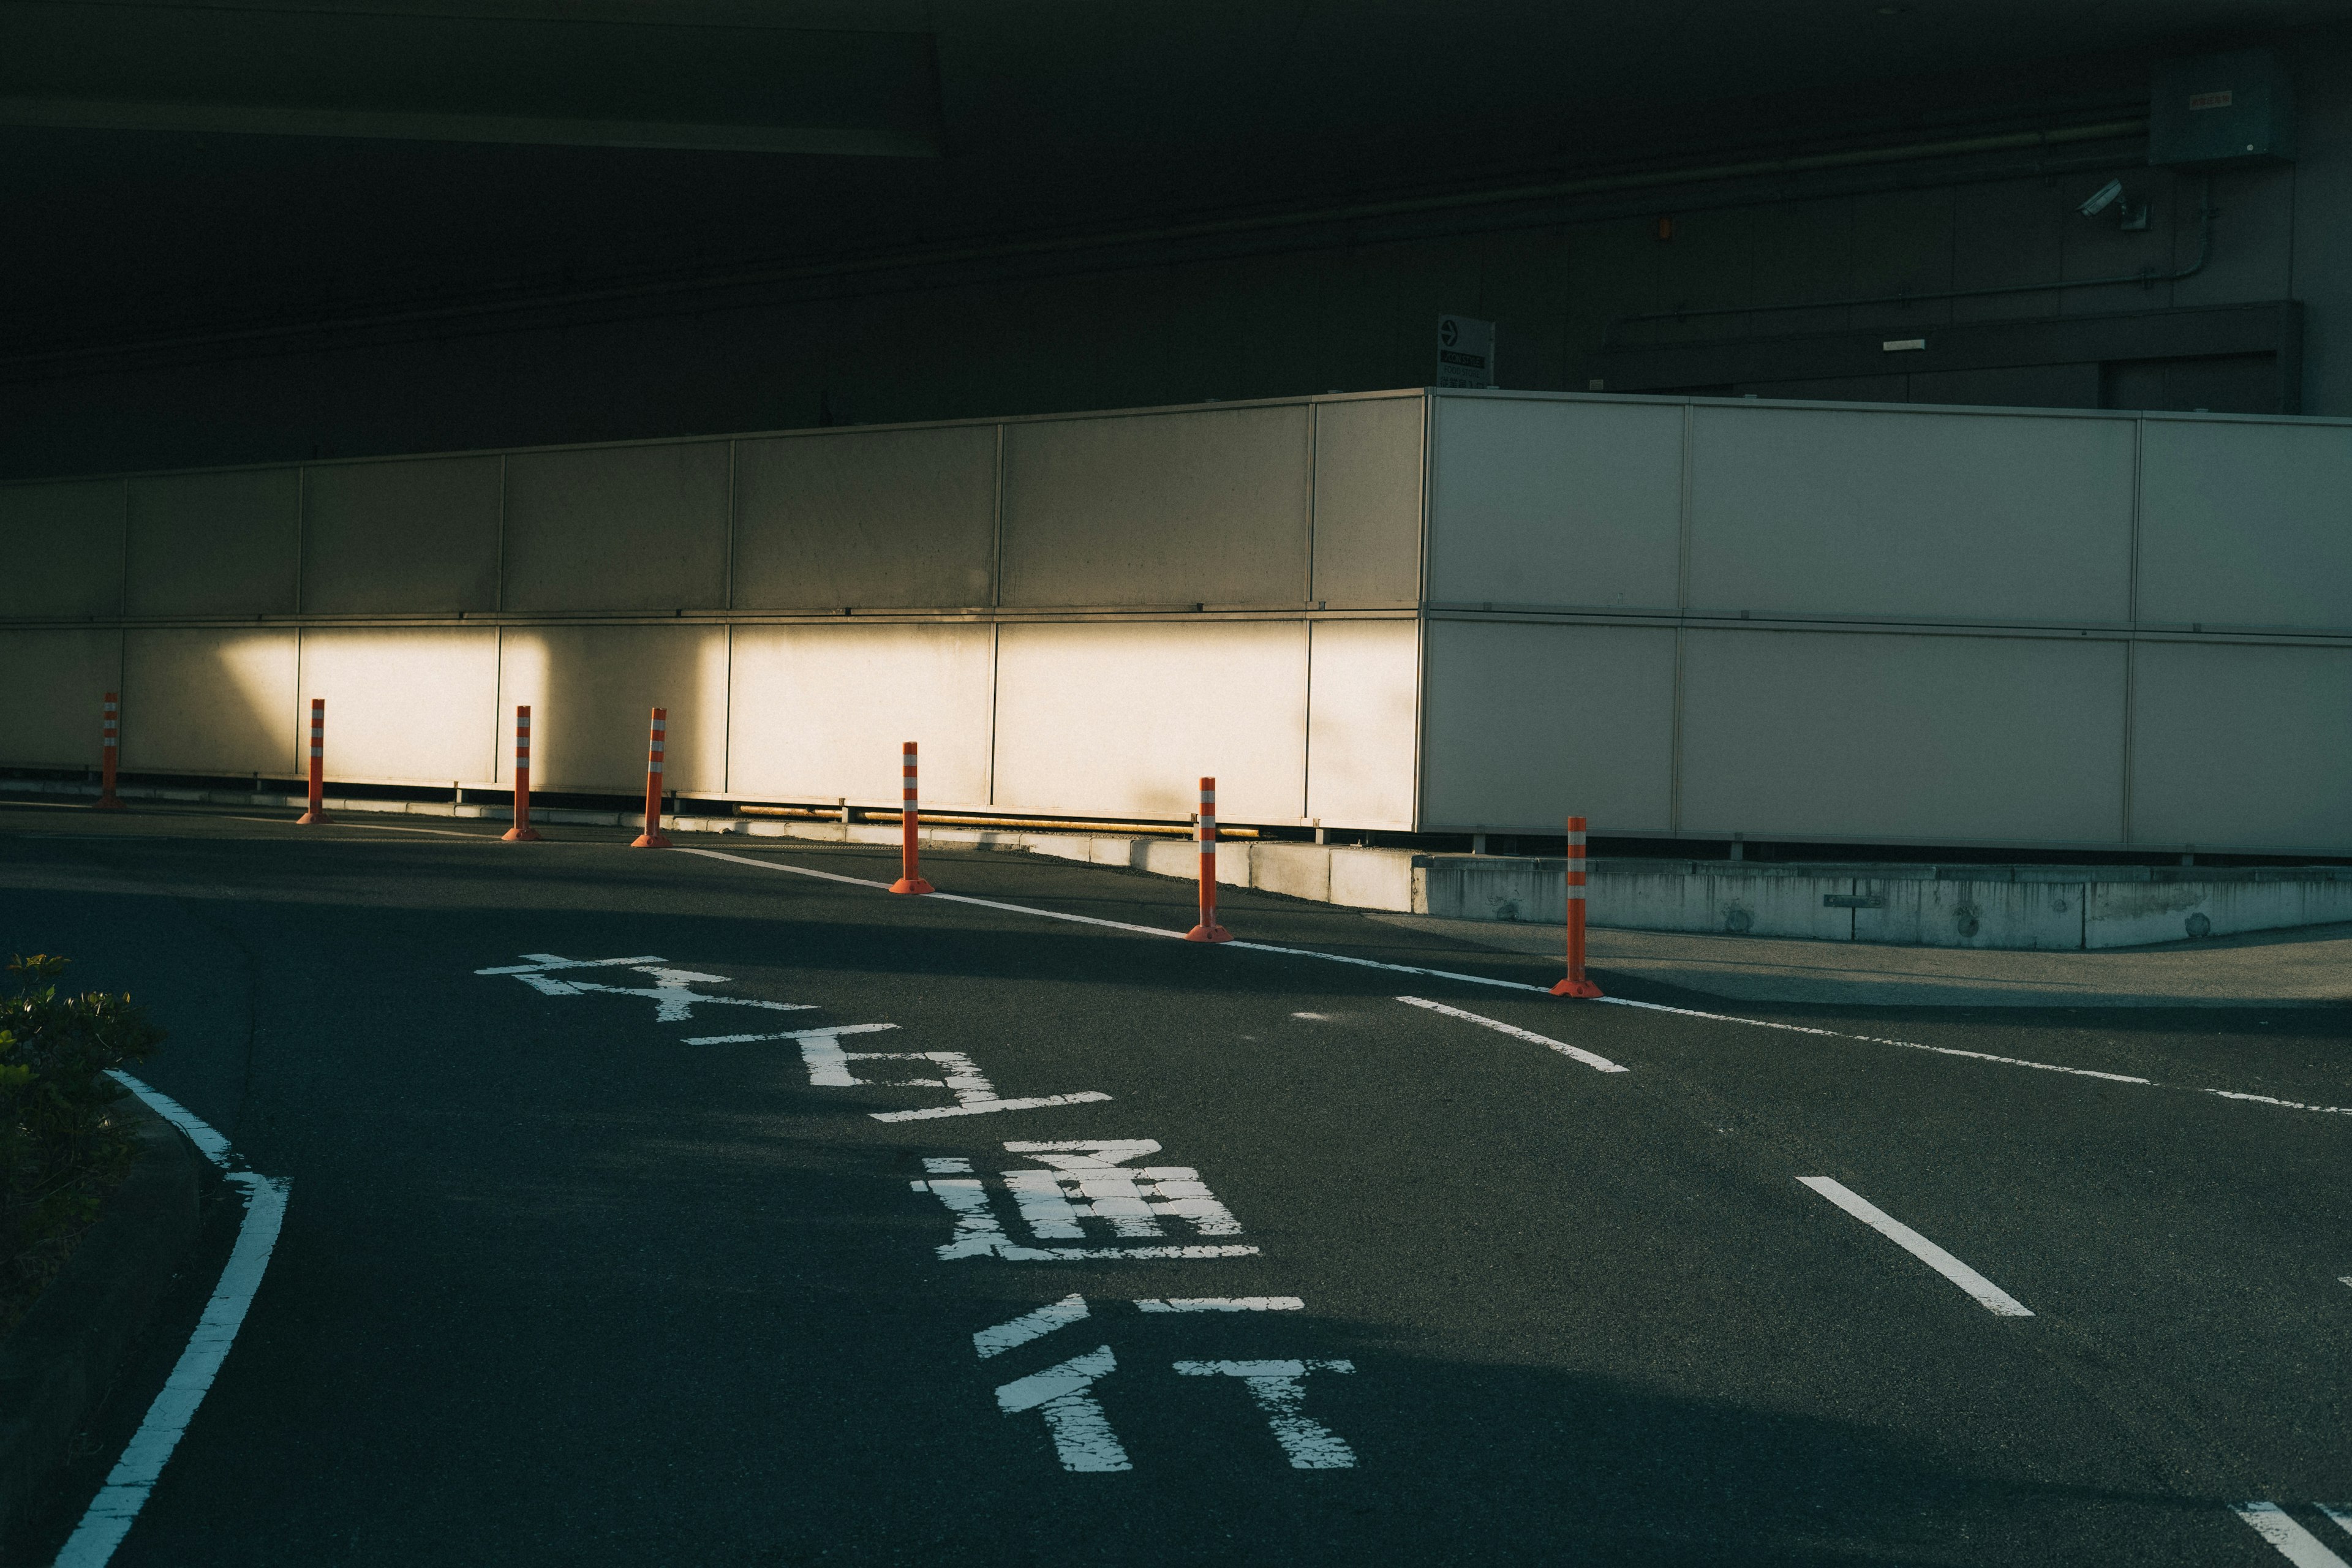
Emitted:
<point x="64" y="1144"/>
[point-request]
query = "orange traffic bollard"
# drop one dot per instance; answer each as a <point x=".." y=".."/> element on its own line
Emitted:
<point x="109" y="743"/>
<point x="910" y="880"/>
<point x="318" y="811"/>
<point x="1576" y="985"/>
<point x="651" y="838"/>
<point x="1208" y="930"/>
<point x="521" y="831"/>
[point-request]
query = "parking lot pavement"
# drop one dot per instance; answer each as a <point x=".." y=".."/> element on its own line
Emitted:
<point x="669" y="1206"/>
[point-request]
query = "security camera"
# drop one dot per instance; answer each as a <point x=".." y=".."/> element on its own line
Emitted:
<point x="2111" y="194"/>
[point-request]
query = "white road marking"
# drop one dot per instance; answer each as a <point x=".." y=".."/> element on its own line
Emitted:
<point x="1538" y="990"/>
<point x="1992" y="1297"/>
<point x="1065" y="1396"/>
<point x="2343" y="1280"/>
<point x="1317" y="1017"/>
<point x="979" y="1233"/>
<point x="110" y="1514"/>
<point x="1221" y="1304"/>
<point x="370" y="826"/>
<point x="2293" y="1543"/>
<point x="1028" y="1326"/>
<point x="1275" y="1385"/>
<point x="2341" y="1513"/>
<point x="825" y="1034"/>
<point x="1132" y="1200"/>
<point x="1598" y="1063"/>
<point x="214" y="1146"/>
<point x="983" y="1107"/>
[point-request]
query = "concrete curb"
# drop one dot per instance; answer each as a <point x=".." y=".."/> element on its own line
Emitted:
<point x="60" y="1361"/>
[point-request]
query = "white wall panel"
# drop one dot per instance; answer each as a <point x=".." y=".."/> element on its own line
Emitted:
<point x="1524" y="725"/>
<point x="820" y="711"/>
<point x="61" y="548"/>
<point x="1158" y="510"/>
<point x="2245" y="524"/>
<point x="213" y="544"/>
<point x="2241" y="746"/>
<point x="617" y="528"/>
<point x="875" y="519"/>
<point x="1124" y="718"/>
<point x="1575" y="504"/>
<point x="2009" y="739"/>
<point x="208" y="701"/>
<point x="414" y="537"/>
<point x="1368" y="468"/>
<point x="52" y="686"/>
<point x="1363" y="676"/>
<point x="407" y="703"/>
<point x="591" y="690"/>
<point x="1917" y="515"/>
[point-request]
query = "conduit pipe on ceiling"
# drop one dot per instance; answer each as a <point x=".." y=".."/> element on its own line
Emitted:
<point x="2146" y="278"/>
<point x="908" y="260"/>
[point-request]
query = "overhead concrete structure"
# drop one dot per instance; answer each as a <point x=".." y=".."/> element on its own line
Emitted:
<point x="1439" y="612"/>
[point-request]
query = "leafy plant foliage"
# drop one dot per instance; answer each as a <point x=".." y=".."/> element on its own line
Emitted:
<point x="64" y="1144"/>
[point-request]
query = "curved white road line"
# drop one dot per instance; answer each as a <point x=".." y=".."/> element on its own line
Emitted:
<point x="110" y="1514"/>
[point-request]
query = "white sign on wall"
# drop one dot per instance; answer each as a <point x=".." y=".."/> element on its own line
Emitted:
<point x="1465" y="352"/>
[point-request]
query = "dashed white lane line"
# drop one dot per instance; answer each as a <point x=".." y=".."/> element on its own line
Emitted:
<point x="1542" y="991"/>
<point x="1989" y="1296"/>
<point x="110" y="1514"/>
<point x="2293" y="1543"/>
<point x="1597" y="1063"/>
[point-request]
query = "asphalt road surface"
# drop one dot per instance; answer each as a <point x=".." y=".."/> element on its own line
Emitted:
<point x="1217" y="1254"/>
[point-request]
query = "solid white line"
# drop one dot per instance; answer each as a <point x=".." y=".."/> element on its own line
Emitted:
<point x="983" y="1107"/>
<point x="110" y="1513"/>
<point x="837" y="1030"/>
<point x="1876" y="1040"/>
<point x="215" y="1146"/>
<point x="373" y="826"/>
<point x="2293" y="1543"/>
<point x="1221" y="1304"/>
<point x="1598" y="1063"/>
<point x="1992" y="1297"/>
<point x="1538" y="990"/>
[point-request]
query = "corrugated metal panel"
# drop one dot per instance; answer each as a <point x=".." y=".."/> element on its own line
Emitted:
<point x="406" y="537"/>
<point x="63" y="547"/>
<point x="1524" y="724"/>
<point x="1368" y="503"/>
<point x="2003" y="740"/>
<point x="2246" y="524"/>
<point x="1360" y="733"/>
<point x="1573" y="505"/>
<point x="213" y="544"/>
<point x="1820" y="511"/>
<point x="418" y="703"/>
<point x="821" y="712"/>
<point x="1158" y="510"/>
<point x="592" y="690"/>
<point x="49" y="699"/>
<point x="1124" y="718"/>
<point x="617" y="528"/>
<point x="2243" y="746"/>
<point x="208" y="701"/>
<point x="885" y="519"/>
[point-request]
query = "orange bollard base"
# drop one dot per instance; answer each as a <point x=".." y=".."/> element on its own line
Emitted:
<point x="651" y="838"/>
<point x="1208" y="934"/>
<point x="1576" y="988"/>
<point x="521" y="836"/>
<point x="310" y="818"/>
<point x="107" y="803"/>
<point x="912" y="885"/>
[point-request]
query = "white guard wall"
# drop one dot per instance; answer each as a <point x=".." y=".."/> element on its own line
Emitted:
<point x="1074" y="616"/>
<point x="1454" y="612"/>
<point x="1879" y="624"/>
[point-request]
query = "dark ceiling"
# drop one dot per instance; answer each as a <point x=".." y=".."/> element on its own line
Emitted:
<point x="151" y="184"/>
